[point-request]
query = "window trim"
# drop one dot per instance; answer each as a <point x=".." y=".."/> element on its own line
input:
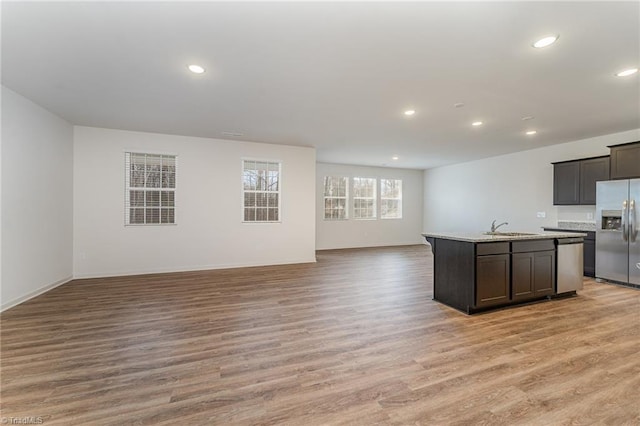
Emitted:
<point x="242" y="190"/>
<point x="345" y="198"/>
<point x="398" y="199"/>
<point x="374" y="198"/>
<point x="127" y="188"/>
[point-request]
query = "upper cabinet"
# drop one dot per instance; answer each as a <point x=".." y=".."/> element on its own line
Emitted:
<point x="566" y="183"/>
<point x="592" y="170"/>
<point x="574" y="182"/>
<point x="625" y="161"/>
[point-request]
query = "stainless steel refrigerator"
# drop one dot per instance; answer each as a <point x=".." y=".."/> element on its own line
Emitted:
<point x="617" y="236"/>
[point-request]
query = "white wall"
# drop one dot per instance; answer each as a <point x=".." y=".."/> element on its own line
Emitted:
<point x="209" y="233"/>
<point x="512" y="188"/>
<point x="369" y="233"/>
<point x="37" y="199"/>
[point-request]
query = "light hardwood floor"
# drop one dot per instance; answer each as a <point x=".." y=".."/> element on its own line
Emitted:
<point x="354" y="339"/>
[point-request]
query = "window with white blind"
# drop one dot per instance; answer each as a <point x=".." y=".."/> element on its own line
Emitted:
<point x="150" y="189"/>
<point x="336" y="192"/>
<point x="261" y="191"/>
<point x="390" y="199"/>
<point x="364" y="198"/>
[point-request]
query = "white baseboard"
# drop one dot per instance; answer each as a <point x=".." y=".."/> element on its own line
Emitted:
<point x="372" y="245"/>
<point x="107" y="274"/>
<point x="33" y="294"/>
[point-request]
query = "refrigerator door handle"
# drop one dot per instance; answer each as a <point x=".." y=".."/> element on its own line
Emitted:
<point x="624" y="221"/>
<point x="632" y="221"/>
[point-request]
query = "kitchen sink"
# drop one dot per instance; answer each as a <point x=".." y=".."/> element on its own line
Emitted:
<point x="509" y="234"/>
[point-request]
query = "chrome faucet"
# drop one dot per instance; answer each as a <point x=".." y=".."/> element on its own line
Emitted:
<point x="495" y="227"/>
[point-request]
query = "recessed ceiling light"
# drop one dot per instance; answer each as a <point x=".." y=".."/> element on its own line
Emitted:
<point x="458" y="105"/>
<point x="477" y="123"/>
<point x="395" y="157"/>
<point x="546" y="41"/>
<point x="409" y="112"/>
<point x="234" y="134"/>
<point x="528" y="117"/>
<point x="627" y="73"/>
<point x="531" y="132"/>
<point x="196" y="69"/>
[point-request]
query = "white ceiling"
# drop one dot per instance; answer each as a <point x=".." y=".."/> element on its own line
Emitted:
<point x="336" y="76"/>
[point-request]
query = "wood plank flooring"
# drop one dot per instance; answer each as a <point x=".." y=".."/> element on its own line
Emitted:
<point x="354" y="339"/>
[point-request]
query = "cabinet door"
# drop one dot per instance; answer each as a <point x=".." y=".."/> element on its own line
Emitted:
<point x="625" y="161"/>
<point x="566" y="183"/>
<point x="522" y="273"/>
<point x="592" y="171"/>
<point x="544" y="273"/>
<point x="589" y="255"/>
<point x="492" y="280"/>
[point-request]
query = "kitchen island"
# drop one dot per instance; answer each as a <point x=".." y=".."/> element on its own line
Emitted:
<point x="475" y="272"/>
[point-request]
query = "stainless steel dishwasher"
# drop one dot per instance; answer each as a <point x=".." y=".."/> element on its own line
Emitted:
<point x="570" y="265"/>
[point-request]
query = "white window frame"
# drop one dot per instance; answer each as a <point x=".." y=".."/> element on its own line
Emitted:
<point x="261" y="192"/>
<point x="356" y="199"/>
<point x="384" y="199"/>
<point x="144" y="189"/>
<point x="331" y="198"/>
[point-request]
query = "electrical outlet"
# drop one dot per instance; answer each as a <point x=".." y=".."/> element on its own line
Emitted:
<point x="541" y="215"/>
<point x="589" y="216"/>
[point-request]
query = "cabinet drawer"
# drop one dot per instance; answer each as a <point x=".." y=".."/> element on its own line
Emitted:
<point x="492" y="248"/>
<point x="534" y="245"/>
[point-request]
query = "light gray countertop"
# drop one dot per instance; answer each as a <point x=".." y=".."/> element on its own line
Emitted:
<point x="480" y="237"/>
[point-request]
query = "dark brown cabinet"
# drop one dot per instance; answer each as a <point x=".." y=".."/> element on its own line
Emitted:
<point x="522" y="266"/>
<point x="492" y="280"/>
<point x="514" y="272"/>
<point x="544" y="272"/>
<point x="533" y="274"/>
<point x="625" y="161"/>
<point x="591" y="171"/>
<point x="574" y="182"/>
<point x="566" y="183"/>
<point x="589" y="254"/>
<point x="534" y="269"/>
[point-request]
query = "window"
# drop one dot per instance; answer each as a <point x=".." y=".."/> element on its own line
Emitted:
<point x="150" y="182"/>
<point x="390" y="199"/>
<point x="336" y="191"/>
<point x="261" y="191"/>
<point x="364" y="198"/>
